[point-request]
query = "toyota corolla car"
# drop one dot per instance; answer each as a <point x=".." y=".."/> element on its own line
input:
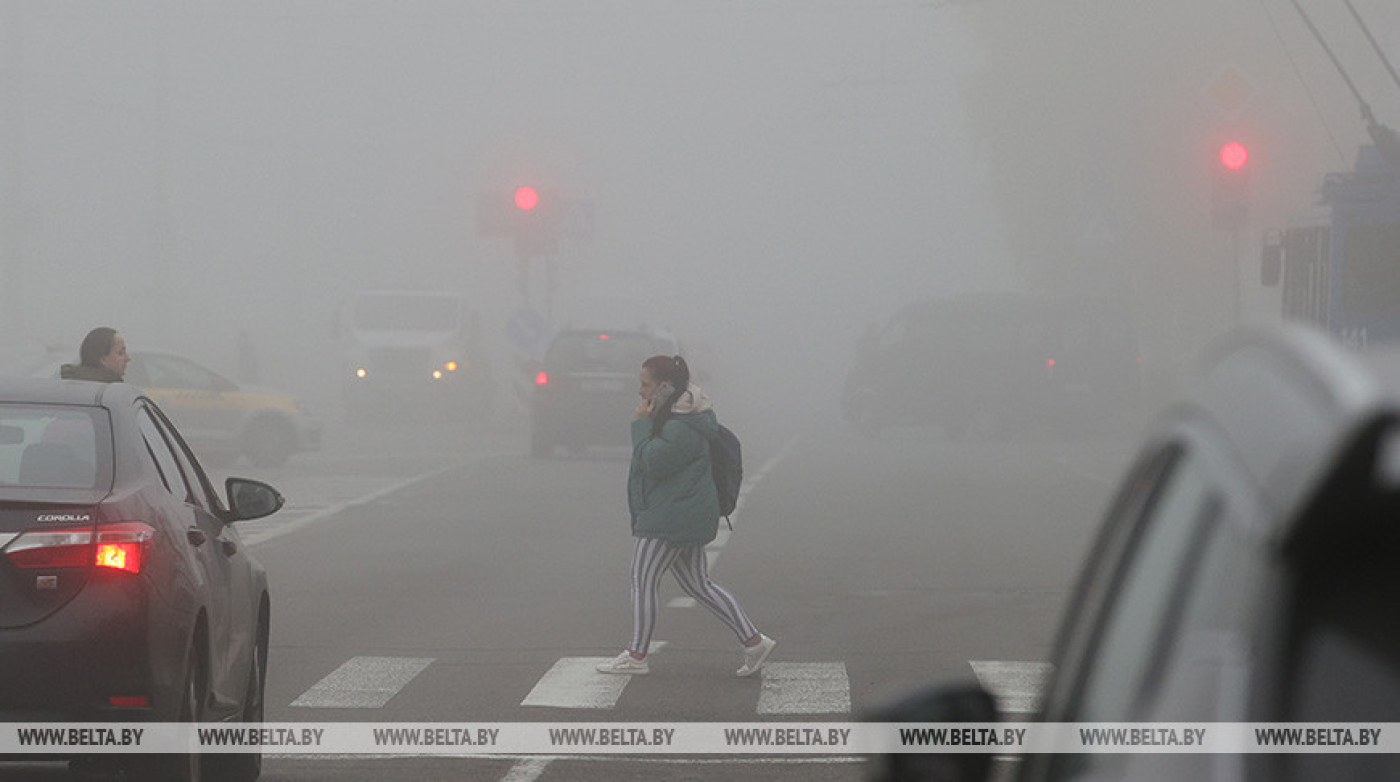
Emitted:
<point x="585" y="389"/>
<point x="125" y="591"/>
<point x="1245" y="573"/>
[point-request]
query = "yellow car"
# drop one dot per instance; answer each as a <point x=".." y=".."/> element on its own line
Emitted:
<point x="220" y="419"/>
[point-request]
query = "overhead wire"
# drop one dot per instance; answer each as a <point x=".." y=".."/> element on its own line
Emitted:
<point x="1376" y="47"/>
<point x="1297" y="72"/>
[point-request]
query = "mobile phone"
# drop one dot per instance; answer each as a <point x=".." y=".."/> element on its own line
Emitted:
<point x="662" y="394"/>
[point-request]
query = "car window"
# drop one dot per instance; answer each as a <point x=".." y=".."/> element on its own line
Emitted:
<point x="1132" y="629"/>
<point x="168" y="372"/>
<point x="601" y="352"/>
<point x="1202" y="662"/>
<point x="165" y="460"/>
<point x="1141" y="604"/>
<point x="51" y="446"/>
<point x="202" y="493"/>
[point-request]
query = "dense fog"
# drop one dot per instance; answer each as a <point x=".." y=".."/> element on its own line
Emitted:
<point x="766" y="179"/>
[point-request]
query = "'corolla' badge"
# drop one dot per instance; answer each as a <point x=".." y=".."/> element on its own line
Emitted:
<point x="62" y="518"/>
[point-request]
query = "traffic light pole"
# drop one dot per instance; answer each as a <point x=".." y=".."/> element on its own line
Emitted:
<point x="1235" y="266"/>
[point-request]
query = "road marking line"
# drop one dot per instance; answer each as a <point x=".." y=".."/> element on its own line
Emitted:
<point x="804" y="688"/>
<point x="264" y="535"/>
<point x="575" y="683"/>
<point x="527" y="770"/>
<point x="363" y="683"/>
<point x="1017" y="686"/>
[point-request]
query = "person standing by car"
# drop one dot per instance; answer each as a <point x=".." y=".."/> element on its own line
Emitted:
<point x="101" y="357"/>
<point x="675" y="511"/>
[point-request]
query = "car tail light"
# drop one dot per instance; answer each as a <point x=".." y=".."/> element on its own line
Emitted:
<point x="120" y="546"/>
<point x="124" y="545"/>
<point x="52" y="548"/>
<point x="130" y="701"/>
<point x="542" y="379"/>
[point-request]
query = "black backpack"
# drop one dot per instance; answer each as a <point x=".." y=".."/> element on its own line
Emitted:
<point x="727" y="467"/>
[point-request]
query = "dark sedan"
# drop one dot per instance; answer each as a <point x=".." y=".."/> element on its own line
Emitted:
<point x="1245" y="574"/>
<point x="586" y="387"/>
<point x="125" y="591"/>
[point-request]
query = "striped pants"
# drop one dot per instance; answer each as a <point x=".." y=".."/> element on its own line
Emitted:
<point x="650" y="560"/>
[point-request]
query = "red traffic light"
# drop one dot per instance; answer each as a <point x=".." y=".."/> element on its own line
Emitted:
<point x="526" y="198"/>
<point x="1234" y="155"/>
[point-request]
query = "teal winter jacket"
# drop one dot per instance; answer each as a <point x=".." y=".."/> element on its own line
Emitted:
<point x="670" y="489"/>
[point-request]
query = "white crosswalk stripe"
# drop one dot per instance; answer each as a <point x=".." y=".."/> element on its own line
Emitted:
<point x="804" y="688"/>
<point x="574" y="683"/>
<point x="363" y="683"/>
<point x="1017" y="686"/>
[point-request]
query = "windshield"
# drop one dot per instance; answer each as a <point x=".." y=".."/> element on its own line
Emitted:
<point x="600" y="352"/>
<point x="44" y="446"/>
<point x="407" y="313"/>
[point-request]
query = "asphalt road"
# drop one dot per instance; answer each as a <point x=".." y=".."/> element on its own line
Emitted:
<point x="427" y="575"/>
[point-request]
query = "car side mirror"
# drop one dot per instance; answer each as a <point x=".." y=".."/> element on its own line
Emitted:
<point x="955" y="701"/>
<point x="249" y="499"/>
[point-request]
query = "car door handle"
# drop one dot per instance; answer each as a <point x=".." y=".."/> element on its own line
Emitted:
<point x="196" y="536"/>
<point x="229" y="547"/>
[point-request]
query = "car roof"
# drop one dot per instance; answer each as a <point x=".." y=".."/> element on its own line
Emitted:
<point x="65" y="392"/>
<point x="1292" y="403"/>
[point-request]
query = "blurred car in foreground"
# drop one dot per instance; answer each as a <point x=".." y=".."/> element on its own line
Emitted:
<point x="998" y="363"/>
<point x="125" y="591"/>
<point x="1245" y="573"/>
<point x="585" y="389"/>
<point x="221" y="419"/>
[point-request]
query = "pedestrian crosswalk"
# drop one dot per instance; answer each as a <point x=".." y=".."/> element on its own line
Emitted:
<point x="363" y="683"/>
<point x="786" y="688"/>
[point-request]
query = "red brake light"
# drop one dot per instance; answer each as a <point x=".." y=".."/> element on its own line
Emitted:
<point x="1049" y="362"/>
<point x="123" y="546"/>
<point x="604" y="336"/>
<point x="542" y="379"/>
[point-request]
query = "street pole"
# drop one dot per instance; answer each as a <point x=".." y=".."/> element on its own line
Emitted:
<point x="1235" y="265"/>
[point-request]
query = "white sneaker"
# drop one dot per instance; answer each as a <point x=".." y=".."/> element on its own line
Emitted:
<point x="754" y="656"/>
<point x="625" y="663"/>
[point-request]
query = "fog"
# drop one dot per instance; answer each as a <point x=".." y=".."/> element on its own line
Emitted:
<point x="766" y="179"/>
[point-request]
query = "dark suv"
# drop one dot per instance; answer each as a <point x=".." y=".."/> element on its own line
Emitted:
<point x="1245" y="573"/>
<point x="998" y="362"/>
<point x="585" y="387"/>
